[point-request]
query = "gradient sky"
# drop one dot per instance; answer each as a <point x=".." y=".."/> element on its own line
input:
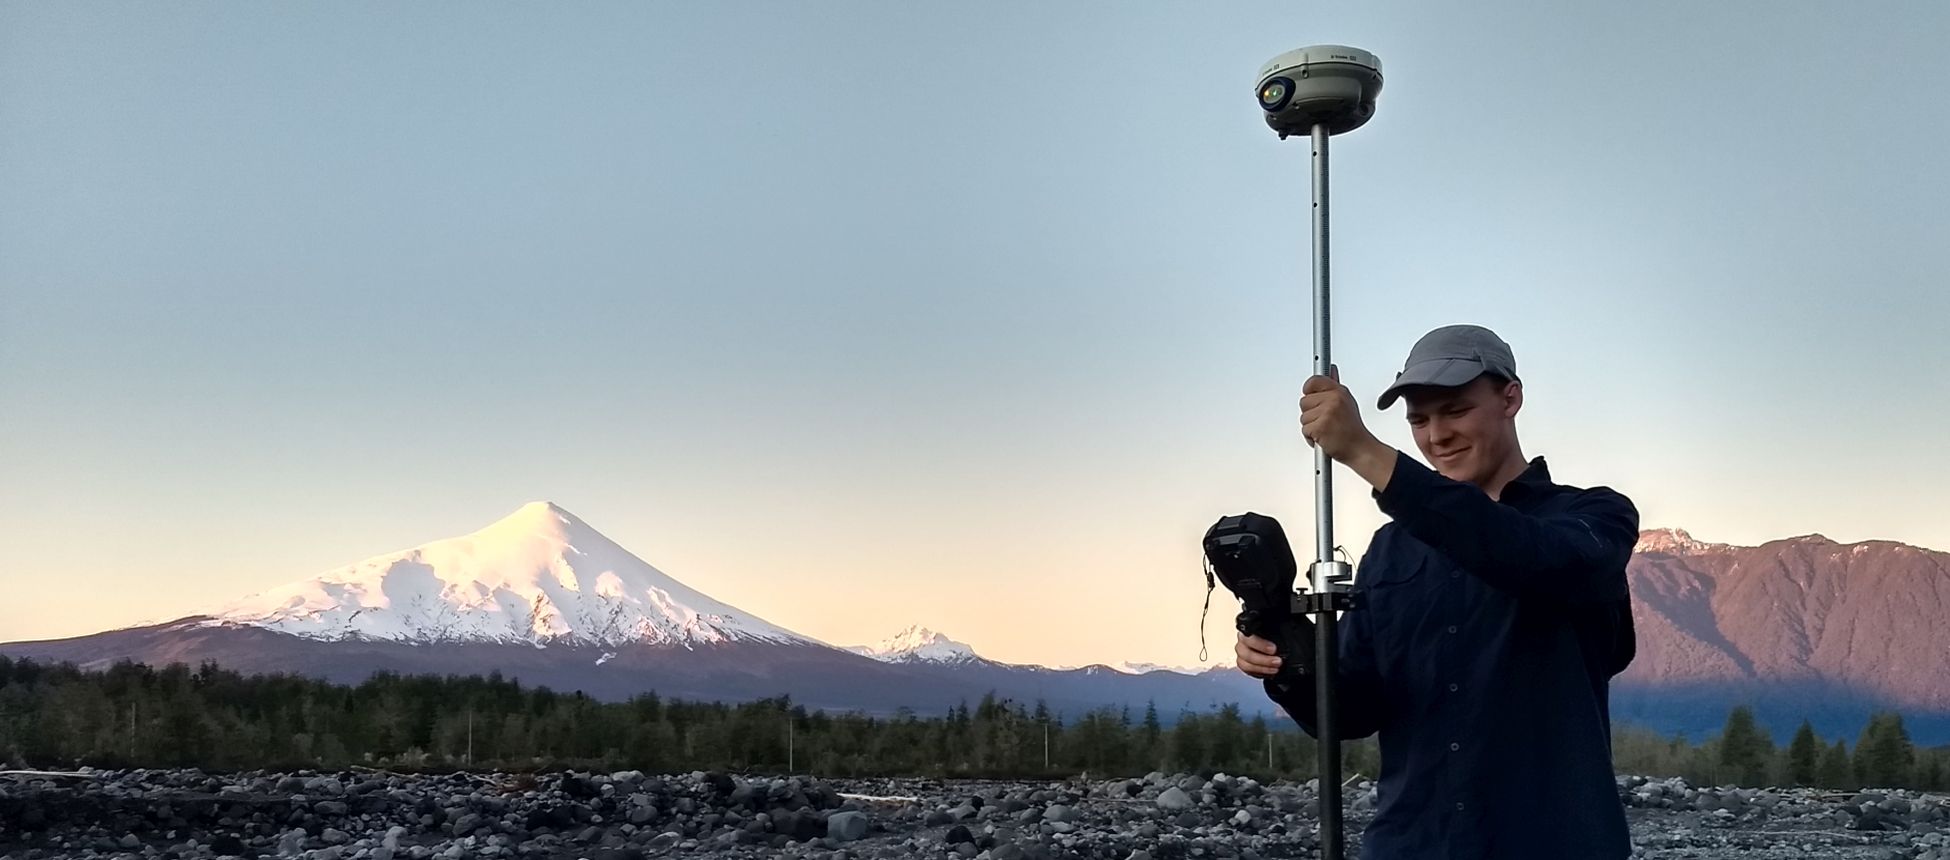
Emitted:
<point x="857" y="315"/>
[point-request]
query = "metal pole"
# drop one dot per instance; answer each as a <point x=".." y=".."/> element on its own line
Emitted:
<point x="1326" y="624"/>
<point x="1323" y="467"/>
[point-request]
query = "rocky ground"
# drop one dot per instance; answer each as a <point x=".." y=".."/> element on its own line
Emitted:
<point x="189" y="815"/>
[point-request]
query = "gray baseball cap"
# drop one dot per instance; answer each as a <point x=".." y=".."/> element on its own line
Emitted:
<point x="1452" y="355"/>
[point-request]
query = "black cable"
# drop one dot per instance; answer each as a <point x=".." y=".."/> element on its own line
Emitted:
<point x="1201" y="612"/>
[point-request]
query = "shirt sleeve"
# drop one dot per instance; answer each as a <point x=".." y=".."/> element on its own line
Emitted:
<point x="1576" y="555"/>
<point x="1357" y="697"/>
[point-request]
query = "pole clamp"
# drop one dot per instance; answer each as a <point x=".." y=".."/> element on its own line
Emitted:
<point x="1317" y="602"/>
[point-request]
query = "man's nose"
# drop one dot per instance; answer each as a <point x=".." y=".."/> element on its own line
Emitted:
<point x="1439" y="431"/>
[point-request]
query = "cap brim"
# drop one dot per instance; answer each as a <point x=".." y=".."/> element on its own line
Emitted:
<point x="1443" y="372"/>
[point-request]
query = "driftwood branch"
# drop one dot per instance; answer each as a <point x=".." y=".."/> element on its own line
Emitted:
<point x="40" y="774"/>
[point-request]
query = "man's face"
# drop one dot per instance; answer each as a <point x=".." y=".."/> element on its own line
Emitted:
<point x="1465" y="431"/>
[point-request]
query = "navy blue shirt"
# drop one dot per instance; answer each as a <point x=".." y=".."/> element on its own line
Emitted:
<point x="1482" y="657"/>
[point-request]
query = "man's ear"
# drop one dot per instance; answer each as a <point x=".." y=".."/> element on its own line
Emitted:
<point x="1512" y="399"/>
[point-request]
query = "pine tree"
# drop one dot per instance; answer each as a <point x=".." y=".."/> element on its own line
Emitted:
<point x="1188" y="742"/>
<point x="1226" y="739"/>
<point x="1929" y="774"/>
<point x="1834" y="771"/>
<point x="1149" y="737"/>
<point x="1884" y="756"/>
<point x="1744" y="749"/>
<point x="1804" y="755"/>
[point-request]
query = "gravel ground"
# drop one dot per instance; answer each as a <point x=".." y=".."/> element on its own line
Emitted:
<point x="190" y="815"/>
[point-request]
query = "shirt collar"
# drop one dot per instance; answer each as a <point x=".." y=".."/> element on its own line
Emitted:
<point x="1534" y="478"/>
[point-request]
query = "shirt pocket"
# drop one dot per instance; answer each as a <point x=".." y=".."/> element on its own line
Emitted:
<point x="1391" y="569"/>
<point x="1396" y="598"/>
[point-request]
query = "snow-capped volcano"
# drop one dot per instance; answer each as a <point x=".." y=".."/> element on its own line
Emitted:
<point x="918" y="644"/>
<point x="538" y="576"/>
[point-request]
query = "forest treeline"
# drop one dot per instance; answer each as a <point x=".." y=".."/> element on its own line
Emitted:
<point x="134" y="715"/>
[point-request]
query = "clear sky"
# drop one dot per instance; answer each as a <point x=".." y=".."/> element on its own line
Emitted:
<point x="975" y="315"/>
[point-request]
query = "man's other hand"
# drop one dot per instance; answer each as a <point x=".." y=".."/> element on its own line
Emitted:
<point x="1256" y="656"/>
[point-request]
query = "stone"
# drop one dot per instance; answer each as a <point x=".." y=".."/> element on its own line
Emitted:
<point x="846" y="826"/>
<point x="1174" y="799"/>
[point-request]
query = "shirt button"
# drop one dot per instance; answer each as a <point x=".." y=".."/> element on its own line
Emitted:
<point x="1452" y="688"/>
<point x="1453" y="746"/>
<point x="1452" y="628"/>
<point x="1454" y="573"/>
<point x="1459" y="806"/>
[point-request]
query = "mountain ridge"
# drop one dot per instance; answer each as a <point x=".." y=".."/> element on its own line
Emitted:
<point x="1793" y="626"/>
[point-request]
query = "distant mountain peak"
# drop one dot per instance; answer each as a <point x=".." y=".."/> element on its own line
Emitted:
<point x="1128" y="667"/>
<point x="541" y="510"/>
<point x="537" y="576"/>
<point x="918" y="644"/>
<point x="1673" y="541"/>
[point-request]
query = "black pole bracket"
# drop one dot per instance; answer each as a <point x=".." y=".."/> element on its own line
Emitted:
<point x="1317" y="602"/>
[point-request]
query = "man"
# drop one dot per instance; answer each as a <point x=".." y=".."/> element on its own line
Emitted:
<point x="1494" y="613"/>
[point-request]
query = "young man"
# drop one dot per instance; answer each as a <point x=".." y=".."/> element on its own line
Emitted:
<point x="1494" y="613"/>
